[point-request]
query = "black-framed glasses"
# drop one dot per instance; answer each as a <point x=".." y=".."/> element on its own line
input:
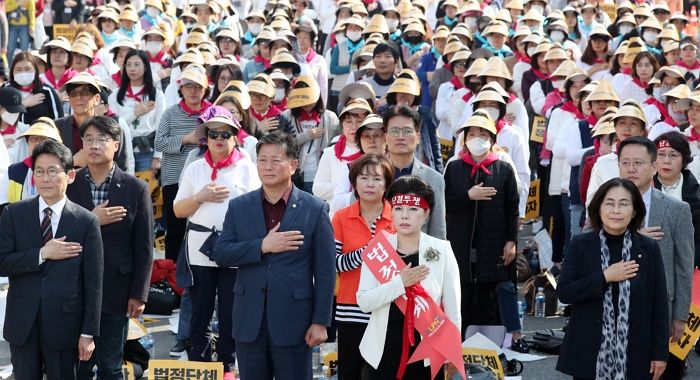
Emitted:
<point x="216" y="134"/>
<point x="460" y="65"/>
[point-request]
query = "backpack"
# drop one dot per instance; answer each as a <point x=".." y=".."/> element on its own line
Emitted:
<point x="529" y="290"/>
<point x="548" y="341"/>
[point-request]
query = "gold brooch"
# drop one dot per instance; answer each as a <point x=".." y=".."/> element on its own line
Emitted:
<point x="431" y="254"/>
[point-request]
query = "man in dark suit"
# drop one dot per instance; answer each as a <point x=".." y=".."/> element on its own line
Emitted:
<point x="51" y="249"/>
<point x="281" y="240"/>
<point x="122" y="204"/>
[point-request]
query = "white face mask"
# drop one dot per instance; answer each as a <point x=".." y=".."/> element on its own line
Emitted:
<point x="535" y="29"/>
<point x="531" y="51"/>
<point x="190" y="26"/>
<point x="254" y="28"/>
<point x="471" y="22"/>
<point x="650" y="36"/>
<point x="10" y="118"/>
<point x="478" y="146"/>
<point x="557" y="36"/>
<point x="25" y="79"/>
<point x="340" y="38"/>
<point x="493" y="112"/>
<point x="153" y="12"/>
<point x="625" y="28"/>
<point x="393" y="24"/>
<point x="539" y="8"/>
<point x="279" y="95"/>
<point x="557" y="84"/>
<point x="677" y="116"/>
<point x="154" y="47"/>
<point x="661" y="90"/>
<point x="354" y="36"/>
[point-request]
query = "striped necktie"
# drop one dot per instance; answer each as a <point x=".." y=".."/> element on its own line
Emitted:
<point x="46" y="230"/>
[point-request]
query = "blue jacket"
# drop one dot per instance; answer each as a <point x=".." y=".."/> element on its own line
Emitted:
<point x="428" y="62"/>
<point x="291" y="289"/>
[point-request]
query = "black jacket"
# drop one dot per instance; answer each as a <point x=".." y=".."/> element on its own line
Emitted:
<point x="128" y="245"/>
<point x="63" y="15"/>
<point x="691" y="195"/>
<point x="496" y="221"/>
<point x="582" y="285"/>
<point x="67" y="130"/>
<point x="51" y="107"/>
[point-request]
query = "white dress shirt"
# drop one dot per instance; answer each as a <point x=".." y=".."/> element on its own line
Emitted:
<point x="646" y="197"/>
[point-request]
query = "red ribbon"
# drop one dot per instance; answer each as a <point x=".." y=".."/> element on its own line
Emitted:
<point x="9" y="130"/>
<point x="282" y="106"/>
<point x="310" y="116"/>
<point x="455" y="81"/>
<point x="96" y="60"/>
<point x="339" y="148"/>
<point x="467" y="96"/>
<point x="28" y="162"/>
<point x="598" y="60"/>
<point x="231" y="159"/>
<point x="409" y="322"/>
<point x="694" y="66"/>
<point x="522" y="57"/>
<point x="259" y="59"/>
<point x="190" y="112"/>
<point x="272" y="111"/>
<point x="57" y="84"/>
<point x="570" y="107"/>
<point x="591" y="119"/>
<point x="28" y="89"/>
<point x="539" y="74"/>
<point x="665" y="116"/>
<point x="158" y="58"/>
<point x="309" y="57"/>
<point x="138" y="97"/>
<point x="511" y="97"/>
<point x="694" y="136"/>
<point x="476" y="166"/>
<point x="500" y="124"/>
<point x="639" y="83"/>
<point x="627" y="71"/>
<point x="117" y="78"/>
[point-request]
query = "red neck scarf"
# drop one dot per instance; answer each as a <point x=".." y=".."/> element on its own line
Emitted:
<point x="28" y="89"/>
<point x="639" y="83"/>
<point x="271" y="112"/>
<point x="117" y="78"/>
<point x="190" y="112"/>
<point x="158" y="58"/>
<point x="511" y="97"/>
<point x="282" y="106"/>
<point x="310" y="116"/>
<point x="467" y="96"/>
<point x="96" y="60"/>
<point x="591" y="120"/>
<point x="598" y="60"/>
<point x="694" y="136"/>
<point x="138" y="96"/>
<point x="539" y="74"/>
<point x="11" y="129"/>
<point x="665" y="116"/>
<point x="483" y="165"/>
<point x="627" y="71"/>
<point x="259" y="59"/>
<point x="28" y="163"/>
<point x="694" y="66"/>
<point x="231" y="159"/>
<point x="500" y="125"/>
<point x="339" y="148"/>
<point x="570" y="107"/>
<point x="456" y="82"/>
<point x="522" y="57"/>
<point x="309" y="57"/>
<point x="57" y="84"/>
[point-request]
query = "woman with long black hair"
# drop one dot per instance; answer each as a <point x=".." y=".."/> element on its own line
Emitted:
<point x="140" y="104"/>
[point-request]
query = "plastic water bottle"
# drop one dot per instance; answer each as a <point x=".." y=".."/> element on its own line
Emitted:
<point x="539" y="303"/>
<point x="316" y="361"/>
<point x="325" y="373"/>
<point x="215" y="323"/>
<point x="521" y="313"/>
<point x="147" y="342"/>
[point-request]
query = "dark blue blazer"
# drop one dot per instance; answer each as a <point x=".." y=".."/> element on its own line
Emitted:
<point x="291" y="289"/>
<point x="582" y="285"/>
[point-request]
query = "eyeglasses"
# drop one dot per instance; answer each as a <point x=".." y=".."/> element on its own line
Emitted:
<point x="459" y="65"/>
<point x="672" y="156"/>
<point x="216" y="134"/>
<point x="396" y="132"/>
<point x="52" y="172"/>
<point x="80" y="94"/>
<point x="192" y="86"/>
<point x="612" y="205"/>
<point x="100" y="141"/>
<point x="371" y="136"/>
<point x="635" y="164"/>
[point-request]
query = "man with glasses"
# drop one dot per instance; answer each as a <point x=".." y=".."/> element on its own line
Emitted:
<point x="402" y="126"/>
<point x="122" y="204"/>
<point x="51" y="249"/>
<point x="669" y="221"/>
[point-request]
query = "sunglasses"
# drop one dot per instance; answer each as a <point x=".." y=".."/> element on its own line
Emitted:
<point x="216" y="134"/>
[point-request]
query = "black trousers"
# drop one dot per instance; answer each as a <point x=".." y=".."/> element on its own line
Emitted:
<point x="479" y="304"/>
<point x="29" y="358"/>
<point x="175" y="227"/>
<point x="350" y="361"/>
<point x="675" y="368"/>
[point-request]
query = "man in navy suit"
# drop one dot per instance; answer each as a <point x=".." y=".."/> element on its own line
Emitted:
<point x="51" y="249"/>
<point x="281" y="240"/>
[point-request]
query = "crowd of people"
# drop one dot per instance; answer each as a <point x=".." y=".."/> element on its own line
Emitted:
<point x="289" y="135"/>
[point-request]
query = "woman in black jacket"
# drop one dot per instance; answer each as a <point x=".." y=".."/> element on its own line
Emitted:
<point x="481" y="196"/>
<point x="39" y="99"/>
<point x="613" y="278"/>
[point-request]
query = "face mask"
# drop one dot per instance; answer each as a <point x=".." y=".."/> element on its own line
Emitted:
<point x="490" y="41"/>
<point x="289" y="76"/>
<point x="393" y="24"/>
<point x="190" y="26"/>
<point x="279" y="95"/>
<point x="535" y="29"/>
<point x="557" y="84"/>
<point x="414" y="40"/>
<point x="353" y="36"/>
<point x="677" y="116"/>
<point x="340" y="38"/>
<point x="624" y="29"/>
<point x="254" y="28"/>
<point x="661" y="90"/>
<point x="531" y="51"/>
<point x="153" y="12"/>
<point x="650" y="37"/>
<point x="478" y="146"/>
<point x="154" y="47"/>
<point x="24" y="79"/>
<point x="557" y="36"/>
<point x="471" y="22"/>
<point x="10" y="118"/>
<point x="538" y="8"/>
<point x="493" y="112"/>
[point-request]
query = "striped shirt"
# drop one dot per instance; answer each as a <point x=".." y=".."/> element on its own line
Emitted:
<point x="174" y="125"/>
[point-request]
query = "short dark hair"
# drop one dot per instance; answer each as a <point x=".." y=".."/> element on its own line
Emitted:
<point x="55" y="148"/>
<point x="282" y="139"/>
<point x="404" y="111"/>
<point x="599" y="197"/>
<point x="20" y="57"/>
<point x="371" y="160"/>
<point x="645" y="54"/>
<point x="410" y="184"/>
<point x="385" y="48"/>
<point x="678" y="142"/>
<point x="639" y="140"/>
<point x="105" y="125"/>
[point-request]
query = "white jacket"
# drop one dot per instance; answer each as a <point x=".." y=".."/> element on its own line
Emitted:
<point x="442" y="106"/>
<point x="604" y="169"/>
<point x="330" y="169"/>
<point x="442" y="284"/>
<point x="561" y="170"/>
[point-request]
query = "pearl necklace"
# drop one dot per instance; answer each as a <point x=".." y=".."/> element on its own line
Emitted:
<point x="671" y="187"/>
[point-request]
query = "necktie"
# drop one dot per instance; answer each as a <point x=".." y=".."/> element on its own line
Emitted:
<point x="46" y="230"/>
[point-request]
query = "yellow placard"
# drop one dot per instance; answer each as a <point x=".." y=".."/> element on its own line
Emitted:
<point x="532" y="209"/>
<point x="446" y="149"/>
<point x="64" y="30"/>
<point x="681" y="348"/>
<point x="610" y="9"/>
<point x="331" y="360"/>
<point x="159" y="243"/>
<point x="181" y="370"/>
<point x="155" y="190"/>
<point x="136" y="329"/>
<point x="485" y="358"/>
<point x="128" y="371"/>
<point x="539" y="128"/>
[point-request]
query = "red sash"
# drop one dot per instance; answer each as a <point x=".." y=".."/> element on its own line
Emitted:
<point x="9" y="130"/>
<point x="627" y="71"/>
<point x="309" y="57"/>
<point x="266" y="62"/>
<point x="190" y="112"/>
<point x="440" y="337"/>
<point x="310" y="116"/>
<point x="570" y="107"/>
